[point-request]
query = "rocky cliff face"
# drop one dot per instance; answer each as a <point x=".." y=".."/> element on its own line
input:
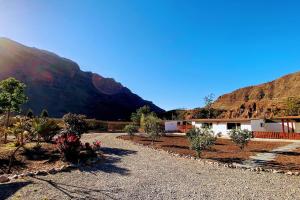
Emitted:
<point x="265" y="100"/>
<point x="58" y="84"/>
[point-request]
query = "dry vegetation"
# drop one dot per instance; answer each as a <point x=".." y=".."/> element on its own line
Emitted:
<point x="28" y="159"/>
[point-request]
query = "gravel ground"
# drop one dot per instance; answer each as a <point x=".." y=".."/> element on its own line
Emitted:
<point x="134" y="172"/>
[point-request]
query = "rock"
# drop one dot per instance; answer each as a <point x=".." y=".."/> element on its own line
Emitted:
<point x="52" y="171"/>
<point x="4" y="179"/>
<point x="15" y="176"/>
<point x="289" y="173"/>
<point x="30" y="174"/>
<point x="296" y="173"/>
<point x="72" y="166"/>
<point x="41" y="173"/>
<point x="22" y="175"/>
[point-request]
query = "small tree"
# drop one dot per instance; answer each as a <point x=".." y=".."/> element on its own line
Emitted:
<point x="141" y="112"/>
<point x="201" y="139"/>
<point x="75" y="124"/>
<point x="153" y="127"/>
<point x="131" y="129"/>
<point x="208" y="101"/>
<point x="44" y="114"/>
<point x="12" y="96"/>
<point x="30" y="113"/>
<point x="21" y="129"/>
<point x="240" y="137"/>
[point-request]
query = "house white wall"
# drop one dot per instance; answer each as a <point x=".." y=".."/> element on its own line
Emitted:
<point x="221" y="127"/>
<point x="261" y="126"/>
<point x="171" y="126"/>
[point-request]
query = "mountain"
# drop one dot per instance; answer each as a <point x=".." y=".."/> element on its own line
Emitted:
<point x="264" y="100"/>
<point x="58" y="84"/>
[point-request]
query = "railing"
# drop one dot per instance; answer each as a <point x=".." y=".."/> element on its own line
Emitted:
<point x="276" y="135"/>
<point x="184" y="128"/>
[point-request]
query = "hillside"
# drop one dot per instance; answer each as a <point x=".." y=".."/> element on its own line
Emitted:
<point x="265" y="100"/>
<point x="59" y="85"/>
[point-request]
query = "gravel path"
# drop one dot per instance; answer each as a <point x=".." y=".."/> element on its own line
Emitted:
<point x="134" y="172"/>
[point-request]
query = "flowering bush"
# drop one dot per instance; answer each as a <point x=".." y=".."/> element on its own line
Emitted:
<point x="75" y="124"/>
<point x="96" y="145"/>
<point x="69" y="146"/>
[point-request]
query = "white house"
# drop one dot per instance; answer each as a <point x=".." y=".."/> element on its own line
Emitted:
<point x="281" y="127"/>
<point x="223" y="126"/>
<point x="217" y="125"/>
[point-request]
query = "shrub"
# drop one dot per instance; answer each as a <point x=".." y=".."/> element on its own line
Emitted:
<point x="97" y="145"/>
<point x="240" y="137"/>
<point x="21" y="129"/>
<point x="75" y="124"/>
<point x="44" y="113"/>
<point x="201" y="139"/>
<point x="45" y="128"/>
<point x="131" y="129"/>
<point x="69" y="146"/>
<point x="30" y="114"/>
<point x="153" y="127"/>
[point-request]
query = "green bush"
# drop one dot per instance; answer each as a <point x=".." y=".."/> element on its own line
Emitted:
<point x="45" y="128"/>
<point x="131" y="129"/>
<point x="153" y="127"/>
<point x="201" y="139"/>
<point x="240" y="137"/>
<point x="44" y="113"/>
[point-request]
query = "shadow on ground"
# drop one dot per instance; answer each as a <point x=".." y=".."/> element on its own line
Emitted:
<point x="78" y="192"/>
<point x="109" y="164"/>
<point x="9" y="189"/>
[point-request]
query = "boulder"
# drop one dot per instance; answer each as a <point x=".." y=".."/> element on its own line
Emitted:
<point x="4" y="179"/>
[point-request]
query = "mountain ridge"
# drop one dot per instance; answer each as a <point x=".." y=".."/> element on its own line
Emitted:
<point x="262" y="100"/>
<point x="59" y="85"/>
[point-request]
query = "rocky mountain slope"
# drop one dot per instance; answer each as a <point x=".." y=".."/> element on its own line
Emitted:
<point x="58" y="84"/>
<point x="265" y="100"/>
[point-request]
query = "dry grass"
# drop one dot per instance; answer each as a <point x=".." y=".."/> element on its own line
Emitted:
<point x="46" y="158"/>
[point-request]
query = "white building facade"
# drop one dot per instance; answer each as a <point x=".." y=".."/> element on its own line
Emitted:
<point x="279" y="125"/>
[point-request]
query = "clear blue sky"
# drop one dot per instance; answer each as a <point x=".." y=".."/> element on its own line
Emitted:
<point x="168" y="51"/>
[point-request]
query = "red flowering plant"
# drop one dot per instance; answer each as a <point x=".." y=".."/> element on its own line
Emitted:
<point x="97" y="145"/>
<point x="69" y="146"/>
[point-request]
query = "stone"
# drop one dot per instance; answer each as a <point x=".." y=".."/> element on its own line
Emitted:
<point x="41" y="173"/>
<point x="14" y="177"/>
<point x="52" y="171"/>
<point x="4" y="179"/>
<point x="289" y="173"/>
<point x="296" y="173"/>
<point x="30" y="174"/>
<point x="22" y="175"/>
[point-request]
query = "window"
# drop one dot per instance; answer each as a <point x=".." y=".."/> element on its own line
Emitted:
<point x="262" y="125"/>
<point x="231" y="126"/>
<point x="206" y="125"/>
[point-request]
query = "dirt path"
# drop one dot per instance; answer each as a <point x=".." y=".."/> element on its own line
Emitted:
<point x="135" y="172"/>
